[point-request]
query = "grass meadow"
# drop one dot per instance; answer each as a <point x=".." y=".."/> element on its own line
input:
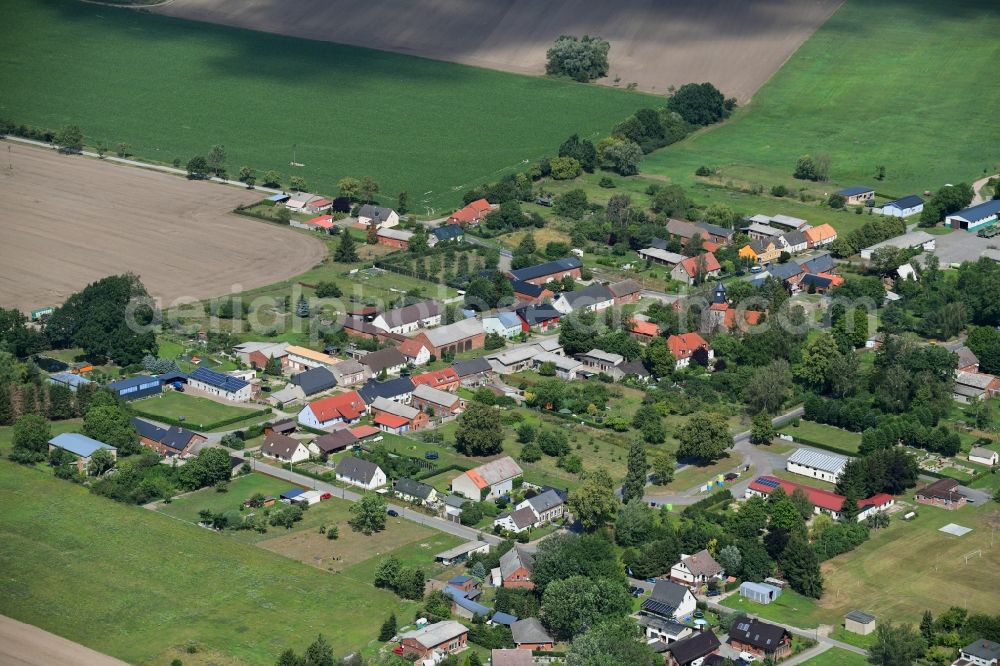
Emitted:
<point x="194" y="409"/>
<point x="836" y="657"/>
<point x="172" y="88"/>
<point x="901" y="85"/>
<point x="142" y="586"/>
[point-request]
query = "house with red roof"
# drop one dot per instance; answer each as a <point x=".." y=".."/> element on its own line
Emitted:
<point x="721" y="316"/>
<point x="319" y="223"/>
<point x="643" y="331"/>
<point x="684" y="346"/>
<point x="415" y="352"/>
<point x="341" y="408"/>
<point x="823" y="501"/>
<point x="445" y="379"/>
<point x="471" y="214"/>
<point x="696" y="269"/>
<point x="393" y="417"/>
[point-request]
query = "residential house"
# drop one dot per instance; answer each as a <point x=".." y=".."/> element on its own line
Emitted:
<point x="505" y="324"/>
<point x="644" y="331"/>
<point x="762" y="231"/>
<point x="530" y="634"/>
<point x="488" y="481"/>
<point x="943" y="493"/>
<point x="975" y="217"/>
<point x="449" y="232"/>
<point x="321" y="223"/>
<point x="684" y="347"/>
<point x="81" y="447"/>
<point x="397" y="418"/>
<point x="314" y="380"/>
<point x="817" y="464"/>
<point x="547" y="507"/>
<point x="967" y="360"/>
<point x="696" y="269"/>
<point x="789" y="273"/>
<point x="380" y="216"/>
<point x="341" y="408"/>
<point x="434" y="640"/>
<point x="983" y="456"/>
<point x="474" y="372"/>
<point x="516" y="567"/>
<point x="397" y="238"/>
<point x="409" y="318"/>
<point x="299" y="202"/>
<point x="760" y="251"/>
<point x="284" y="448"/>
<point x="819" y="236"/>
<point x="595" y="298"/>
<point x="822" y="263"/>
<point x="974" y="385"/>
<point x="415" y="352"/>
<point x="136" y="388"/>
<point x="471" y="214"/>
<point x="793" y="242"/>
<point x="301" y="359"/>
<point x="854" y="196"/>
<point x="389" y="360"/>
<point x="858" y="622"/>
<point x="336" y="441"/>
<point x="669" y="601"/>
<point x="550" y="271"/>
<point x="464" y="605"/>
<point x="446" y="379"/>
<point x="691" y="651"/>
<point x="905" y="207"/>
<point x="399" y="390"/>
<point x="360" y="473"/>
<point x="516" y="521"/>
<point x="907" y="241"/>
<point x="819" y="283"/>
<point x="763" y="639"/>
<point x="462" y="336"/>
<point x="663" y="631"/>
<point x="540" y="318"/>
<point x="979" y="653"/>
<point x="169" y="441"/>
<point x="529" y="292"/>
<point x="823" y="501"/>
<point x="626" y="291"/>
<point x="409" y="490"/>
<point x="660" y="256"/>
<point x="514" y="360"/>
<point x="683" y="231"/>
<point x="348" y="373"/>
<point x="451" y="507"/>
<point x="601" y="361"/>
<point x="220" y="385"/>
<point x="697" y="570"/>
<point x="437" y="402"/>
<point x="716" y="234"/>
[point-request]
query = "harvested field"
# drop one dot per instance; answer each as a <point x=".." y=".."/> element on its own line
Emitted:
<point x="70" y="220"/>
<point x="735" y="44"/>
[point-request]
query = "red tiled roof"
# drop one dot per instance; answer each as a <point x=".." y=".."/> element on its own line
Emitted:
<point x="824" y="499"/>
<point x="835" y="280"/>
<point x="750" y="317"/>
<point x="710" y="246"/>
<point x="391" y="420"/>
<point x="473" y="212"/>
<point x="690" y="265"/>
<point x="324" y="221"/>
<point x="436" y="378"/>
<point x="319" y="203"/>
<point x="410" y="347"/>
<point x="347" y="406"/>
<point x="363" y="431"/>
<point x="682" y="346"/>
<point x="645" y="328"/>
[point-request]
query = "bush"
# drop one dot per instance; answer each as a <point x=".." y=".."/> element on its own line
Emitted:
<point x="583" y="59"/>
<point x="779" y="191"/>
<point x="703" y="171"/>
<point x="607" y="183"/>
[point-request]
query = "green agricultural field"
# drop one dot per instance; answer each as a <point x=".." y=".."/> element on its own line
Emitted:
<point x="867" y="96"/>
<point x="140" y="586"/>
<point x="196" y="410"/>
<point x="172" y="88"/>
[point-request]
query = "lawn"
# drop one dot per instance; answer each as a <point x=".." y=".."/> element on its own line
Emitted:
<point x="198" y="412"/>
<point x="837" y="657"/>
<point x="849" y="93"/>
<point x="842" y="440"/>
<point x="179" y="87"/>
<point x="55" y="427"/>
<point x="790" y="608"/>
<point x="140" y="586"/>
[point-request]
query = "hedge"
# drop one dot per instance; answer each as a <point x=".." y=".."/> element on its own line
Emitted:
<point x="723" y="496"/>
<point x="820" y="445"/>
<point x="202" y="426"/>
<point x="440" y="470"/>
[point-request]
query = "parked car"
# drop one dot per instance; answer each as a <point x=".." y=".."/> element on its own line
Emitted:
<point x="393" y="513"/>
<point x="756" y="269"/>
<point x="431" y="455"/>
<point x="326" y="496"/>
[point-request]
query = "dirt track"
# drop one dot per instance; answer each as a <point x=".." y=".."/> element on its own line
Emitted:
<point x="655" y="43"/>
<point x="66" y="221"/>
<point x="24" y="645"/>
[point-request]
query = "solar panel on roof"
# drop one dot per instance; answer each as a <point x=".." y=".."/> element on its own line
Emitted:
<point x="658" y="607"/>
<point x="770" y="483"/>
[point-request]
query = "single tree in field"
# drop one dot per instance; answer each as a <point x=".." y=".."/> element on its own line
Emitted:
<point x="634" y="485"/>
<point x="69" y="139"/>
<point x="349" y="188"/>
<point x="403" y="202"/>
<point x="197" y="167"/>
<point x="217" y="160"/>
<point x="479" y="432"/>
<point x="705" y="437"/>
<point x="369" y="188"/>
<point x="762" y="430"/>
<point x="368" y="514"/>
<point x="346" y="252"/>
<point x="272" y="178"/>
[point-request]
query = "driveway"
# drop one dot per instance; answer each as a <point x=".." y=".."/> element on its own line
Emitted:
<point x="959" y="246"/>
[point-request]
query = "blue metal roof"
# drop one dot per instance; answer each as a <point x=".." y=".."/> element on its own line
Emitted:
<point x="509" y="319"/>
<point x="292" y="494"/>
<point x="503" y="618"/>
<point x="541" y="270"/>
<point x="220" y="381"/>
<point x="905" y="202"/>
<point x="458" y="596"/>
<point x="278" y="198"/>
<point x="852" y="191"/>
<point x="129" y="382"/>
<point x="458" y="580"/>
<point x="78" y="444"/>
<point x="979" y="212"/>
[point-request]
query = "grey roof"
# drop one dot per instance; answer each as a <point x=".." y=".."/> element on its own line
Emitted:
<point x="905" y="241"/>
<point x="510" y="657"/>
<point x="818" y="264"/>
<point x="396" y="408"/>
<point x="461" y="549"/>
<point x="550" y="499"/>
<point x="357" y="469"/>
<point x="536" y="314"/>
<point x="336" y="440"/>
<point x="762" y="635"/>
<point x="976" y="379"/>
<point x="794" y="238"/>
<point x="411" y="314"/>
<point x="634" y="368"/>
<point x="315" y="380"/>
<point x="548" y="268"/>
<point x="851" y="191"/>
<point x="624" y="288"/>
<point x="413" y="488"/>
<point x="499" y="470"/>
<point x="662" y="254"/>
<point x="530" y="630"/>
<point x="383" y="359"/>
<point x="788" y="221"/>
<point x="390" y="389"/>
<point x="226" y="383"/>
<point x="702" y="564"/>
<point x="821" y="460"/>
<point x="764" y="229"/>
<point x="784" y="271"/>
<point x="377" y="213"/>
<point x="966" y="357"/>
<point x="173" y="437"/>
<point x="435" y="396"/>
<point x="278" y="445"/>
<point x="859" y="616"/>
<point x="522" y="518"/>
<point x="460" y="330"/>
<point x="682" y="228"/>
<point x="817" y="280"/>
<point x="906" y="202"/>
<point x="693" y="647"/>
<point x="982" y="452"/>
<point x="435" y="634"/>
<point x="669" y="593"/>
<point x="471" y="367"/>
<point x="716" y="230"/>
<point x="454" y="501"/>
<point x="448" y="232"/>
<point x="607" y="357"/>
<point x="344" y="368"/>
<point x="526" y="288"/>
<point x="78" y="444"/>
<point x="514" y="559"/>
<point x="983" y="649"/>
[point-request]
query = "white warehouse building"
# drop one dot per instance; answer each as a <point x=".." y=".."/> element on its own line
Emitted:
<point x="817" y="464"/>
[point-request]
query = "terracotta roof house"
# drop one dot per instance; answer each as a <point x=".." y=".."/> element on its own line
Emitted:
<point x="284" y="448"/>
<point x="684" y="346"/>
<point x="824" y="234"/>
<point x="530" y="634"/>
<point x="446" y="379"/>
<point x="415" y="352"/>
<point x="397" y="418"/>
<point x="490" y="480"/>
<point x="341" y="408"/>
<point x="695" y="269"/>
<point x="644" y="331"/>
<point x="472" y="213"/>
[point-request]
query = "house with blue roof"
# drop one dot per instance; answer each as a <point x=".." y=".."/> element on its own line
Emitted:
<point x="463" y="606"/>
<point x="215" y="383"/>
<point x="69" y="380"/>
<point x="505" y="324"/>
<point x="975" y="217"/>
<point x="80" y="446"/>
<point x="905" y="207"/>
<point x="854" y="196"/>
<point x="505" y="619"/>
<point x="134" y="388"/>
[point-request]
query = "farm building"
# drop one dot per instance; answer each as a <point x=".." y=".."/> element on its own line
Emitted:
<point x="983" y="456"/>
<point x="911" y="240"/>
<point x="510" y="657"/>
<point x="474" y="372"/>
<point x="550" y="271"/>
<point x="854" y="196"/>
<point x="301" y="359"/>
<point x="409" y="318"/>
<point x="135" y="388"/>
<point x="530" y="293"/>
<point x="439" y="638"/>
<point x="905" y="207"/>
<point x="496" y="478"/>
<point x="399" y="390"/>
<point x="595" y="298"/>
<point x="757" y="230"/>
<point x="171" y="441"/>
<point x="516" y="567"/>
<point x="341" y="408"/>
<point x="762" y="593"/>
<point x="626" y="291"/>
<point x="461" y="552"/>
<point x="348" y="373"/>
<point x="656" y="255"/>
<point x="462" y="336"/>
<point x="716" y="234"/>
<point x="859" y="623"/>
<point x="361" y="473"/>
<point x="284" y="448"/>
<point x="566" y="367"/>
<point x="975" y="217"/>
<point x="763" y="639"/>
<point x="397" y="418"/>
<point x="81" y="446"/>
<point x="823" y="501"/>
<point x="471" y="214"/>
<point x="338" y="440"/>
<point x="380" y="216"/>
<point x="443" y="403"/>
<point x="974" y="385"/>
<point x="817" y="464"/>
<point x="683" y="230"/>
<point x="220" y="385"/>
<point x="943" y="493"/>
<point x="257" y="354"/>
<point x="464" y="605"/>
<point x="599" y="360"/>
<point x="314" y="380"/>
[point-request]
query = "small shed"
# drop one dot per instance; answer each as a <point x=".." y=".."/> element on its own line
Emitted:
<point x="291" y="494"/>
<point x="762" y="593"/>
<point x="859" y="622"/>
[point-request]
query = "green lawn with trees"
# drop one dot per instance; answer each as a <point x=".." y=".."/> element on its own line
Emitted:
<point x="179" y="87"/>
<point x="143" y="572"/>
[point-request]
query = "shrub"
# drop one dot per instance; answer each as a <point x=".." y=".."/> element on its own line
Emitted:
<point x="607" y="183"/>
<point x="703" y="171"/>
